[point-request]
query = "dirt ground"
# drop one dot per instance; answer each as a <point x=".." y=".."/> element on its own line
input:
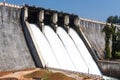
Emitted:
<point x="42" y="74"/>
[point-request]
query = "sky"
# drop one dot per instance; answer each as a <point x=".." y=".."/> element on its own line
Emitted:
<point x="92" y="9"/>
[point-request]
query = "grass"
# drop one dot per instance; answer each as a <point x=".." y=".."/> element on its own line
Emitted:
<point x="48" y="75"/>
<point x="44" y="75"/>
<point x="58" y="76"/>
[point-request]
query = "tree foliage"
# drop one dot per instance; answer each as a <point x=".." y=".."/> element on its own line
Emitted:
<point x="113" y="19"/>
<point x="112" y="33"/>
<point x="108" y="32"/>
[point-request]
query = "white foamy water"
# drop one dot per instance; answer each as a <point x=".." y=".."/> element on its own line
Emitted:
<point x="63" y="50"/>
<point x="58" y="48"/>
<point x="83" y="51"/>
<point x="72" y="50"/>
<point x="67" y="53"/>
<point x="44" y="49"/>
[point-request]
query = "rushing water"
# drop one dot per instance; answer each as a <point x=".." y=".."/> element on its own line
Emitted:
<point x="62" y="50"/>
<point x="58" y="49"/>
<point x="72" y="50"/>
<point x="93" y="68"/>
<point x="44" y="47"/>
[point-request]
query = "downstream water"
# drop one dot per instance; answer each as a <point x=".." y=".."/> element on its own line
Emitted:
<point x="62" y="50"/>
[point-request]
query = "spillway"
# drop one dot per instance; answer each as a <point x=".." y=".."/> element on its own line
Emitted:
<point x="44" y="48"/>
<point x="60" y="46"/>
<point x="93" y="68"/>
<point x="72" y="50"/>
<point x="59" y="50"/>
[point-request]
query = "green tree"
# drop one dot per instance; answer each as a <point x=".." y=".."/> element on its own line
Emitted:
<point x="113" y="19"/>
<point x="108" y="32"/>
<point x="109" y="19"/>
<point x="114" y="36"/>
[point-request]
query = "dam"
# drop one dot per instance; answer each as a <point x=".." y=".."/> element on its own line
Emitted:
<point x="66" y="52"/>
<point x="36" y="37"/>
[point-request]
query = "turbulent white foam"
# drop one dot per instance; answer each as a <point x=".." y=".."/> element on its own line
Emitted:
<point x="58" y="48"/>
<point x="63" y="52"/>
<point x="93" y="68"/>
<point x="72" y="50"/>
<point x="47" y="54"/>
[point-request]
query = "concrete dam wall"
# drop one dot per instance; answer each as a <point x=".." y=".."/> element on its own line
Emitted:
<point x="17" y="50"/>
<point x="22" y="32"/>
<point x="14" y="52"/>
<point x="93" y="31"/>
<point x="110" y="68"/>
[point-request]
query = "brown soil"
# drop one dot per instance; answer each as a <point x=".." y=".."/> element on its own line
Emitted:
<point x="59" y="76"/>
<point x="37" y="73"/>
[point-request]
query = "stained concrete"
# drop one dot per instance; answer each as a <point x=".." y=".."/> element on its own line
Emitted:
<point x="14" y="52"/>
<point x="96" y="38"/>
<point x="110" y="68"/>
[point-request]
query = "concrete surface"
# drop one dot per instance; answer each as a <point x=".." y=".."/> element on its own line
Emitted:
<point x="96" y="38"/>
<point x="14" y="53"/>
